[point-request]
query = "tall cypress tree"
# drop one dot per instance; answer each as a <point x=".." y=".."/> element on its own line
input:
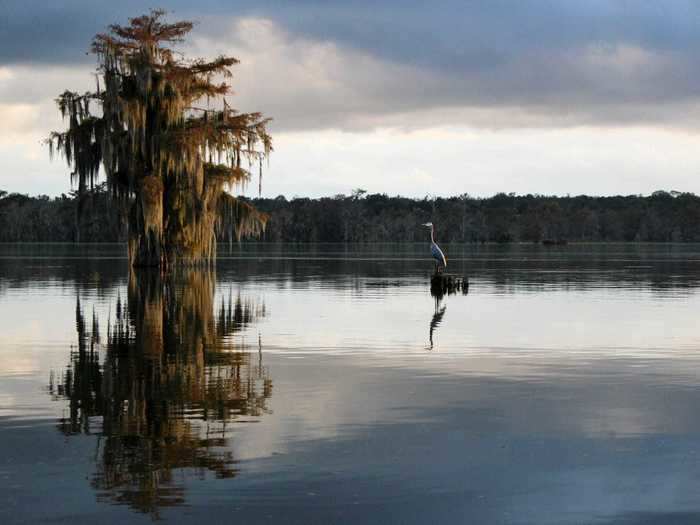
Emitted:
<point x="167" y="141"/>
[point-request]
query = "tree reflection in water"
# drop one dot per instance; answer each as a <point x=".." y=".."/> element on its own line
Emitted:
<point x="161" y="388"/>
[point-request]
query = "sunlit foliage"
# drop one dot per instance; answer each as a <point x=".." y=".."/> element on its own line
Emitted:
<point x="170" y="146"/>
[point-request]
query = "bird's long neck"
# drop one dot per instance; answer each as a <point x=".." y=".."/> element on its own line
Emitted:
<point x="432" y="238"/>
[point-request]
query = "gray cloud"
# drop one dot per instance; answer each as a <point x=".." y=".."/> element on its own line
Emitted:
<point x="310" y="83"/>
<point x="362" y="64"/>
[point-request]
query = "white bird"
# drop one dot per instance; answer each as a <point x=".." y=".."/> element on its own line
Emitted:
<point x="435" y="250"/>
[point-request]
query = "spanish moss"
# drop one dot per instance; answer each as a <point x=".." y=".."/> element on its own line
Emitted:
<point x="170" y="153"/>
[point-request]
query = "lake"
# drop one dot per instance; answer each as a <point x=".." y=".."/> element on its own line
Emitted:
<point x="324" y="384"/>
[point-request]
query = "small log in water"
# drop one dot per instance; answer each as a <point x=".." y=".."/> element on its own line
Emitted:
<point x="446" y="284"/>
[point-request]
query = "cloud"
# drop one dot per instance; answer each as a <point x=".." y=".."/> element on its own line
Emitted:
<point x="480" y="97"/>
<point x="18" y="120"/>
<point x="27" y="102"/>
<point x="309" y="84"/>
<point x="495" y="64"/>
<point x="315" y="84"/>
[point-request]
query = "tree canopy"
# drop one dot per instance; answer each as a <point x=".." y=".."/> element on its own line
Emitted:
<point x="167" y="140"/>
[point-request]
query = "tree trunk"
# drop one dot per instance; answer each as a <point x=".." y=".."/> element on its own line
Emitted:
<point x="168" y="228"/>
<point x="189" y="233"/>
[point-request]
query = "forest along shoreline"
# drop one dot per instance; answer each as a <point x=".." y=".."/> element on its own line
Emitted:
<point x="361" y="217"/>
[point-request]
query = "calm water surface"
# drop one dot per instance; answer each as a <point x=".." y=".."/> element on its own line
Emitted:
<point x="324" y="384"/>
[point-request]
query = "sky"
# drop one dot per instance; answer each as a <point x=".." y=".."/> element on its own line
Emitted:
<point x="403" y="97"/>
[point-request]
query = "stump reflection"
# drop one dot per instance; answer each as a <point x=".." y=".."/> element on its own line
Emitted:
<point x="162" y="387"/>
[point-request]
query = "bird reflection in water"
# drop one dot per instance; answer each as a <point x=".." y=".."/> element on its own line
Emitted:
<point x="437" y="318"/>
<point x="438" y="290"/>
<point x="162" y="388"/>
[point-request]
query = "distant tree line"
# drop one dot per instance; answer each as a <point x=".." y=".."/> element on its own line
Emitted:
<point x="67" y="218"/>
<point x="361" y="217"/>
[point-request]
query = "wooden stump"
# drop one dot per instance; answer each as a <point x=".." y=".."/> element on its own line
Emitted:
<point x="445" y="284"/>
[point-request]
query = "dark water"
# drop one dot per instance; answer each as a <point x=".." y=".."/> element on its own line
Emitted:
<point x="324" y="384"/>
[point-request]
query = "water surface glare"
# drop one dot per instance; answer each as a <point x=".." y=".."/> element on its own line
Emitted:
<point x="324" y="384"/>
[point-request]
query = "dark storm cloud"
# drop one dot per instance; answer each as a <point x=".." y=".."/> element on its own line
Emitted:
<point x="592" y="61"/>
<point x="449" y="33"/>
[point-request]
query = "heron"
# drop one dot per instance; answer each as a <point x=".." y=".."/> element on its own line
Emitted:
<point x="435" y="250"/>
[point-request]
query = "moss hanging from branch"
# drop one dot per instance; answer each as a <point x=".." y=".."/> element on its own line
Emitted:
<point x="239" y="218"/>
<point x="151" y="127"/>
